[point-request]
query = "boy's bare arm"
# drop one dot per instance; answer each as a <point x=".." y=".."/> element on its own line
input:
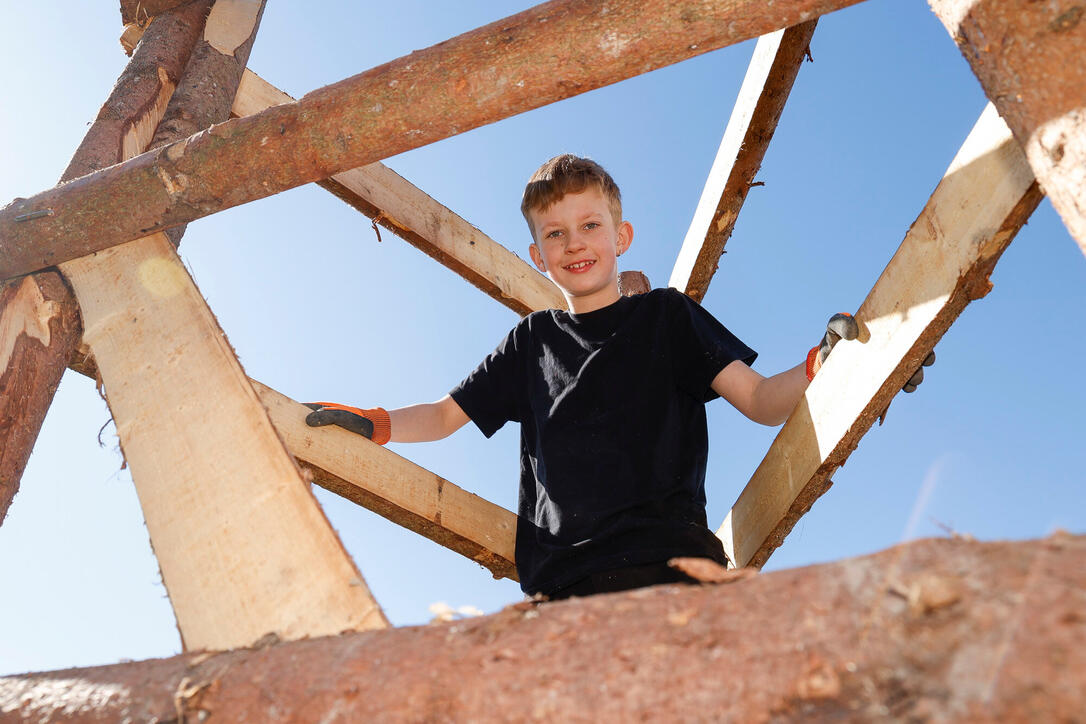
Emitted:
<point x="428" y="421"/>
<point x="766" y="400"/>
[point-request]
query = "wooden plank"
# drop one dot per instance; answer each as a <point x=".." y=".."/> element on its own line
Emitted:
<point x="243" y="547"/>
<point x="38" y="314"/>
<point x="542" y="55"/>
<point x="944" y="263"/>
<point x="1028" y="58"/>
<point x="380" y="193"/>
<point x="389" y="485"/>
<point x="766" y="86"/>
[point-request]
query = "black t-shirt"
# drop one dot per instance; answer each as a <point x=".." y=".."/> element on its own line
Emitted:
<point x="613" y="436"/>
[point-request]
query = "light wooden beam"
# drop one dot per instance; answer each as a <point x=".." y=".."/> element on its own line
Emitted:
<point x="766" y="86"/>
<point x="944" y="263"/>
<point x="542" y="55"/>
<point x="243" y="547"/>
<point x="380" y="193"/>
<point x="39" y="318"/>
<point x="1028" y="57"/>
<point x="397" y="489"/>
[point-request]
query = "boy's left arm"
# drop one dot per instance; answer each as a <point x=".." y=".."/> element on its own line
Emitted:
<point x="770" y="400"/>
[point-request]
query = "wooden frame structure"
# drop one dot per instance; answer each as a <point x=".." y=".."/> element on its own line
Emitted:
<point x="142" y="174"/>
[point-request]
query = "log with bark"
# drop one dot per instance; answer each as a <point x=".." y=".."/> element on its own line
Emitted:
<point x="550" y="52"/>
<point x="935" y="630"/>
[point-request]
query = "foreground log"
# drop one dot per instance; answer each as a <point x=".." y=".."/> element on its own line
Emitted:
<point x="1028" y="57"/>
<point x="937" y="630"/>
<point x="540" y="56"/>
<point x="766" y="86"/>
<point x="394" y="203"/>
<point x="139" y="11"/>
<point x="39" y="319"/>
<point x="943" y="264"/>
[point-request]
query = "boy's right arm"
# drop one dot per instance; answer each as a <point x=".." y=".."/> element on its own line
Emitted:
<point x="415" y="423"/>
<point x="426" y="422"/>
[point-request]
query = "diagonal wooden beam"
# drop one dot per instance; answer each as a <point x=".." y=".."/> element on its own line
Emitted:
<point x="397" y="489"/>
<point x="766" y="86"/>
<point x="550" y="52"/>
<point x="1028" y="57"/>
<point x="943" y="264"/>
<point x="39" y="318"/>
<point x="243" y="546"/>
<point x="381" y="194"/>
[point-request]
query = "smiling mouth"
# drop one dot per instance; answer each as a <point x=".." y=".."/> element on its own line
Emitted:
<point x="579" y="266"/>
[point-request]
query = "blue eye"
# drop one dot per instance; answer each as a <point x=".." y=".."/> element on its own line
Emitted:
<point x="591" y="225"/>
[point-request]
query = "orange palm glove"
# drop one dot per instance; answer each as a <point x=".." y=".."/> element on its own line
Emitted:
<point x="373" y="424"/>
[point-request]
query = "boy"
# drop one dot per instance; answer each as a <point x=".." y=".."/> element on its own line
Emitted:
<point x="611" y="400"/>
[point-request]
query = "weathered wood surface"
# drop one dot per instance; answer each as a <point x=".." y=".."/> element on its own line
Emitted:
<point x="936" y="630"/>
<point x="42" y="313"/>
<point x="381" y="194"/>
<point x="1028" y="57"/>
<point x="550" y="52"/>
<point x="943" y="264"/>
<point x="243" y="547"/>
<point x="408" y="495"/>
<point x="766" y="86"/>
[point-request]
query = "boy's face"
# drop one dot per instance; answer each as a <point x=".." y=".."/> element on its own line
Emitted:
<point x="577" y="243"/>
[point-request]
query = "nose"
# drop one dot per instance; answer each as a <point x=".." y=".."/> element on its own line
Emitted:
<point x="574" y="242"/>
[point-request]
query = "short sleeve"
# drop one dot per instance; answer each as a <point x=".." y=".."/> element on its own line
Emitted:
<point x="703" y="347"/>
<point x="492" y="394"/>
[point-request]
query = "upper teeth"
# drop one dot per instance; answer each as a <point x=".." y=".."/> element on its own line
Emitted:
<point x="578" y="265"/>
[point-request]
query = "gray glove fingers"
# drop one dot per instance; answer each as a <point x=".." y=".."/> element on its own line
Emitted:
<point x="909" y="387"/>
<point x="929" y="360"/>
<point x="313" y="405"/>
<point x="347" y="420"/>
<point x="840" y="326"/>
<point x="844" y="326"/>
<point x="915" y="380"/>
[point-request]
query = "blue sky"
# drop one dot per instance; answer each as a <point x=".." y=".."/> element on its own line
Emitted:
<point x="318" y="309"/>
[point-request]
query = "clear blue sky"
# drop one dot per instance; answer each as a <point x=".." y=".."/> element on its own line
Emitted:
<point x="991" y="445"/>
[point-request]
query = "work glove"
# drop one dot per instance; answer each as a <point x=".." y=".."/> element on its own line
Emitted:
<point x="373" y="424"/>
<point x="843" y="326"/>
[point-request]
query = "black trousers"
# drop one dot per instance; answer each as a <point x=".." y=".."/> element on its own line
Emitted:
<point x="623" y="579"/>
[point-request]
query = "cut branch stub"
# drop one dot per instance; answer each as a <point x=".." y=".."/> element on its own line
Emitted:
<point x="542" y="55"/>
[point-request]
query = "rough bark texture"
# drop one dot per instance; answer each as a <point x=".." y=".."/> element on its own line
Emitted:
<point x="1028" y="57"/>
<point x="138" y="11"/>
<point x="936" y="630"/>
<point x="542" y="55"/>
<point x="29" y="377"/>
<point x="36" y="331"/>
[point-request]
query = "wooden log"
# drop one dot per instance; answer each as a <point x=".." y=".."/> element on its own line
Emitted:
<point x="1028" y="58"/>
<point x="943" y="264"/>
<point x="397" y="489"/>
<point x="33" y="325"/>
<point x="766" y="86"/>
<point x="243" y="547"/>
<point x="550" y="52"/>
<point x="393" y="202"/>
<point x="140" y="11"/>
<point x="935" y="630"/>
<point x="41" y="311"/>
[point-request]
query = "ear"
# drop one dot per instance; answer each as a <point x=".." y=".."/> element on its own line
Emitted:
<point x="533" y="250"/>
<point x="625" y="237"/>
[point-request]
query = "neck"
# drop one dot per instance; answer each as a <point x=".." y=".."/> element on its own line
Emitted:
<point x="592" y="302"/>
